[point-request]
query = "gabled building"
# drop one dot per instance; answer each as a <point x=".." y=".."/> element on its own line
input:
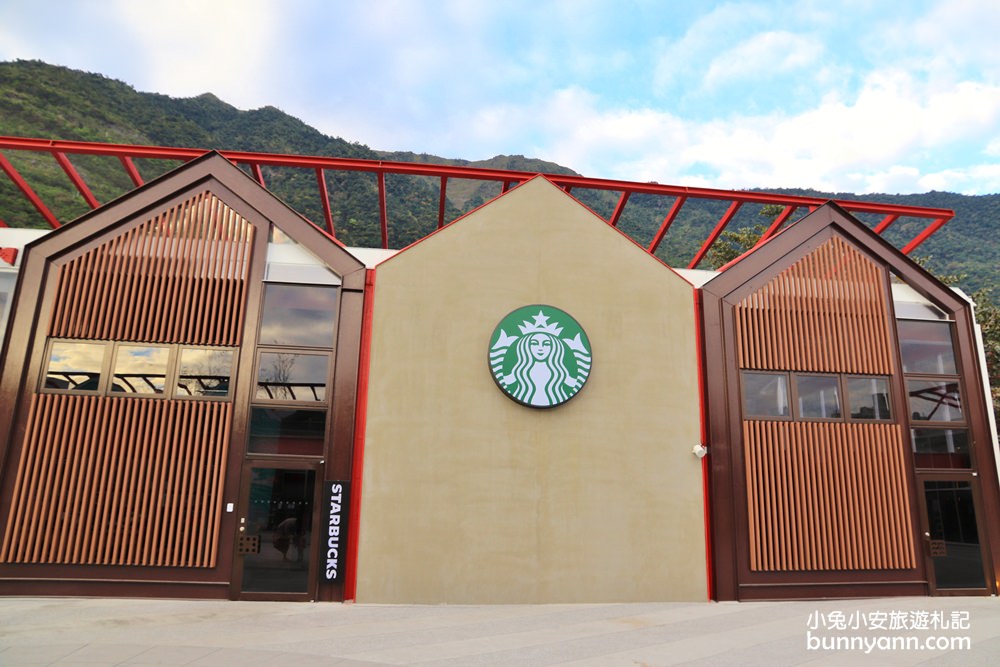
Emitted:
<point x="179" y="375"/>
<point x="480" y="487"/>
<point x="852" y="448"/>
<point x="205" y="395"/>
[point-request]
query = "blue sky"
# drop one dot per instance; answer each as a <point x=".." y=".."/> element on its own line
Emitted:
<point x="852" y="96"/>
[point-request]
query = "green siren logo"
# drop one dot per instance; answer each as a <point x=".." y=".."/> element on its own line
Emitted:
<point x="539" y="356"/>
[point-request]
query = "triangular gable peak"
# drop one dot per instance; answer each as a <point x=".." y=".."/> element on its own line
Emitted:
<point x="207" y="192"/>
<point x="544" y="212"/>
<point x="808" y="248"/>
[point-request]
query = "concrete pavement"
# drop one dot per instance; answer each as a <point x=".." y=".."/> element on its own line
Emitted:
<point x="64" y="632"/>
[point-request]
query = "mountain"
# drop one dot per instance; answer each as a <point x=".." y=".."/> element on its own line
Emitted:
<point x="47" y="101"/>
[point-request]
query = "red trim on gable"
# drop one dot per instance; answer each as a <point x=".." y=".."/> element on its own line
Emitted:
<point x="705" y="470"/>
<point x="360" y="423"/>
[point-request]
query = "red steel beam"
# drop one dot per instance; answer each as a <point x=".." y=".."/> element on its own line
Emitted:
<point x="258" y="175"/>
<point x="442" y="200"/>
<point x="8" y="255"/>
<point x="77" y="180"/>
<point x="130" y="167"/>
<point x="667" y="221"/>
<point x="567" y="182"/>
<point x="383" y="216"/>
<point x="616" y="216"/>
<point x="924" y="235"/>
<point x="324" y="200"/>
<point x="886" y="221"/>
<point x="127" y="152"/>
<point x="721" y="225"/>
<point x="26" y="190"/>
<point x="776" y="225"/>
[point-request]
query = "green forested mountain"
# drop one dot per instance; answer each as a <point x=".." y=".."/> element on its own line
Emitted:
<point x="45" y="101"/>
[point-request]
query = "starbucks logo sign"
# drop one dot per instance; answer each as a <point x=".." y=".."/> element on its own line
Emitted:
<point x="539" y="356"/>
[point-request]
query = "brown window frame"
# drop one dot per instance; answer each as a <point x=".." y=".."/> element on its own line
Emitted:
<point x="939" y="379"/>
<point x="846" y="377"/>
<point x="791" y="380"/>
<point x="330" y="355"/>
<point x="110" y="358"/>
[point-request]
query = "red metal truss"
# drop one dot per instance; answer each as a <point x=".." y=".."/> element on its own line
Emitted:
<point x="126" y="154"/>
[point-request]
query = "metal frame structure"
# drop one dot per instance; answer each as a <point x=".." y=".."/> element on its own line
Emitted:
<point x="127" y="154"/>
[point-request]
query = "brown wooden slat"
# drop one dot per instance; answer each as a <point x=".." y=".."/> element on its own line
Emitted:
<point x="161" y="281"/>
<point x="826" y="496"/>
<point x="825" y="313"/>
<point x="152" y="491"/>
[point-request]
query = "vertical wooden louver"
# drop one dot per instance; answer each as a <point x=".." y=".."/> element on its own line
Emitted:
<point x="119" y="481"/>
<point x="823" y="495"/>
<point x="180" y="277"/>
<point x="825" y="313"/>
<point x="826" y="496"/>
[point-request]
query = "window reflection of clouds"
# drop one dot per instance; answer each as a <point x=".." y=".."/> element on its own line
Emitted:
<point x="206" y="362"/>
<point x="142" y="359"/>
<point x="86" y="357"/>
<point x="75" y="366"/>
<point x="300" y="315"/>
<point x="141" y="370"/>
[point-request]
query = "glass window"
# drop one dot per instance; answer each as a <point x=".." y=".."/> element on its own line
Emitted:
<point x="279" y="516"/>
<point x="6" y="289"/>
<point x="298" y="315"/>
<point x="140" y="369"/>
<point x="926" y="347"/>
<point x="818" y="396"/>
<point x="204" y="372"/>
<point x="940" y="448"/>
<point x="287" y="431"/>
<point x="918" y="311"/>
<point x="765" y="394"/>
<point x="868" y="398"/>
<point x="951" y="517"/>
<point x="286" y="376"/>
<point x="289" y="262"/>
<point x="931" y="400"/>
<point x="75" y="366"/>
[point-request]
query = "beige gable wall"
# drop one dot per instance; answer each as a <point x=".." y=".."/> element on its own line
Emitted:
<point x="469" y="497"/>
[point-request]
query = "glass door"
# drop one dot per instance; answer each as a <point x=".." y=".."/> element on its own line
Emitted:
<point x="275" y="557"/>
<point x="951" y="535"/>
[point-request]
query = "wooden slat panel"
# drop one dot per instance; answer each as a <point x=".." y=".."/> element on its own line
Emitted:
<point x="825" y="313"/>
<point x="161" y="281"/>
<point x="826" y="496"/>
<point x="119" y="481"/>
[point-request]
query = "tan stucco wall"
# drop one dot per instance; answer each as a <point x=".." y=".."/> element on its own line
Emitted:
<point x="469" y="497"/>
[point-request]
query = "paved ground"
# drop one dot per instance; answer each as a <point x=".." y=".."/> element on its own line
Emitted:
<point x="57" y="631"/>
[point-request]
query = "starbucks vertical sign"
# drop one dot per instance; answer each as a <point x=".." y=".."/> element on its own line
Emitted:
<point x="540" y="356"/>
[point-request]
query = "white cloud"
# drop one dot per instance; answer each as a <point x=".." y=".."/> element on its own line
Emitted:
<point x="189" y="47"/>
<point x="885" y="140"/>
<point x="762" y="56"/>
<point x="682" y="59"/>
<point x="843" y="95"/>
<point x="952" y="37"/>
<point x="975" y="179"/>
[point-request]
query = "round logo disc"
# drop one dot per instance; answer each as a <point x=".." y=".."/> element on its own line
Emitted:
<point x="539" y="356"/>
